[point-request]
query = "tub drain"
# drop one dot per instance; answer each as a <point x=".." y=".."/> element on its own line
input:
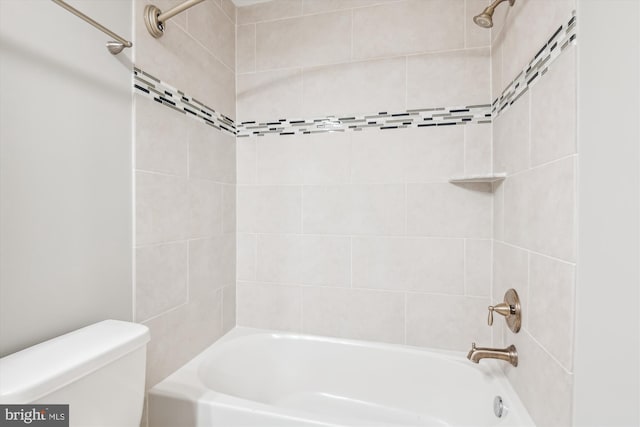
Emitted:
<point x="498" y="406"/>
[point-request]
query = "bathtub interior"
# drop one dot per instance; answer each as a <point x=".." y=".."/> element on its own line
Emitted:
<point x="324" y="381"/>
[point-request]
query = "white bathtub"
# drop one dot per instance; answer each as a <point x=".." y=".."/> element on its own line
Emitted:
<point x="260" y="378"/>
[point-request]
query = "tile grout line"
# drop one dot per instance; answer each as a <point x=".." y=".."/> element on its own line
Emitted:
<point x="255" y="49"/>
<point x="547" y="352"/>
<point x="343" y="236"/>
<point x="464" y="19"/>
<point x="352" y="25"/>
<point x="296" y="284"/>
<point x="406" y="319"/>
<point x="464" y="266"/>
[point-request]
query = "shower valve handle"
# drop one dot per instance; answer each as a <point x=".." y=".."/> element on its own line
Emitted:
<point x="510" y="309"/>
<point x="502" y="308"/>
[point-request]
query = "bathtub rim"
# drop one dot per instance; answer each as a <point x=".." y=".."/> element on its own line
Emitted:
<point x="186" y="383"/>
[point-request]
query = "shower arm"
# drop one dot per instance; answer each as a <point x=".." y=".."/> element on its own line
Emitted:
<point x="154" y="18"/>
<point x="489" y="9"/>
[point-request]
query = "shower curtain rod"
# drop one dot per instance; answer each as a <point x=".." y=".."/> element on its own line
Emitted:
<point x="115" y="47"/>
<point x="154" y="18"/>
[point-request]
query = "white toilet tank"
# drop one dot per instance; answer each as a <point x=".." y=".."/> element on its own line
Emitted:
<point x="99" y="371"/>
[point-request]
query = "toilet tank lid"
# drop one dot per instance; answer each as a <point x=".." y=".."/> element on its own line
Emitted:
<point x="36" y="371"/>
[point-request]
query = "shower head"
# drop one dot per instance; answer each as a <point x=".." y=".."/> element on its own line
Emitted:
<point x="485" y="19"/>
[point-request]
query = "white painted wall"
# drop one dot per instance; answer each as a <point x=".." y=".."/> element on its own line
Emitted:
<point x="607" y="355"/>
<point x="66" y="144"/>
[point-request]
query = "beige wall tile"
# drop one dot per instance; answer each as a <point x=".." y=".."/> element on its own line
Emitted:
<point x="380" y="263"/>
<point x="211" y="153"/>
<point x="551" y="307"/>
<point x="433" y="154"/>
<point x="279" y="159"/>
<point x="378" y="209"/>
<point x="246" y="161"/>
<point x="269" y="306"/>
<point x="408" y="27"/>
<point x="229" y="208"/>
<point x="162" y="357"/>
<point x="319" y="6"/>
<point x="428" y="265"/>
<point x="498" y="211"/>
<point x="511" y="138"/>
<point x="311" y="260"/>
<point x="162" y="208"/>
<point x="447" y="210"/>
<point x="257" y="94"/>
<point x="161" y="279"/>
<point x="304" y="41"/>
<point x="326" y="158"/>
<point x="246" y="254"/>
<point x="211" y="264"/>
<point x="161" y="360"/>
<point x="356" y="314"/>
<point x="228" y="308"/>
<point x="209" y="25"/>
<point x="355" y="88"/>
<point x="478" y="149"/>
<point x="269" y="209"/>
<point x="327" y="209"/>
<point x="446" y="321"/>
<point x="205" y="315"/>
<point x="275" y="9"/>
<point x="478" y="267"/>
<point x="354" y="209"/>
<point x="510" y="270"/>
<point x="205" y="206"/>
<point x="457" y="78"/>
<point x="378" y="157"/>
<point x="474" y="35"/>
<point x="554" y="111"/>
<point x="159" y="140"/>
<point x="171" y="347"/>
<point x="542" y="385"/>
<point x="229" y="9"/>
<point x="246" y="48"/>
<point x="435" y="265"/>
<point x="540" y="209"/>
<point x="497" y="83"/>
<point x="311" y="159"/>
<point x="500" y="17"/>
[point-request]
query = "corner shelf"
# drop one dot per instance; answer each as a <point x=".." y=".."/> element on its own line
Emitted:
<point x="494" y="177"/>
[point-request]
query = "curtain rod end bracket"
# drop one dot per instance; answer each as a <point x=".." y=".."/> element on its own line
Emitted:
<point x="115" y="47"/>
<point x="155" y="27"/>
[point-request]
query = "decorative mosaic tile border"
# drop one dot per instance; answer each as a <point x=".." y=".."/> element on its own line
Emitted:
<point x="424" y="117"/>
<point x="167" y="95"/>
<point x="154" y="88"/>
<point x="538" y="67"/>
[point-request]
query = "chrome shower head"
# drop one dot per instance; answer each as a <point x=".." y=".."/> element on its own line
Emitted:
<point x="485" y="19"/>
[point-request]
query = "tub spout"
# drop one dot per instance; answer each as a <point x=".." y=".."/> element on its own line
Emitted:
<point x="508" y="354"/>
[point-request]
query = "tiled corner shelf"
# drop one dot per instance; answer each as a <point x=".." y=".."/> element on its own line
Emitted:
<point x="494" y="177"/>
